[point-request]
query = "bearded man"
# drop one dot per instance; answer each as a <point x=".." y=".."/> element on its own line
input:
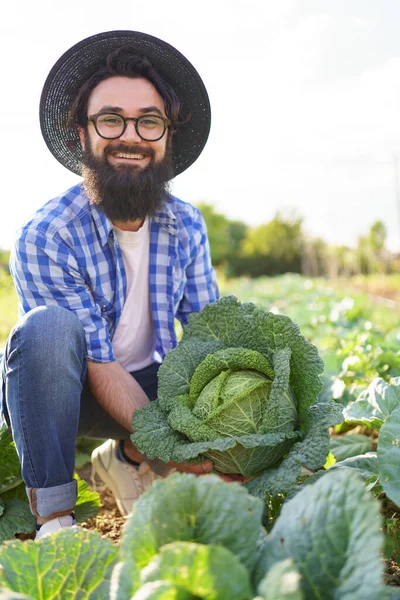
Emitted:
<point x="103" y="270"/>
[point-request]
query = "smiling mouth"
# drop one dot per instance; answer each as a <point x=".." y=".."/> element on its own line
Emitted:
<point x="129" y="155"/>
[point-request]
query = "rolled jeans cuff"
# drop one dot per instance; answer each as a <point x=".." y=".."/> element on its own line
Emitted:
<point x="45" y="502"/>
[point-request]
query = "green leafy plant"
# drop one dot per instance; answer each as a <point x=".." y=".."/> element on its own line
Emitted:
<point x="331" y="530"/>
<point x="282" y="582"/>
<point x="191" y="538"/>
<point x="241" y="390"/>
<point x="378" y="407"/>
<point x="10" y="470"/>
<point x="365" y="465"/>
<point x="15" y="514"/>
<point x="75" y="564"/>
<point x="392" y="538"/>
<point x="375" y="404"/>
<point x="353" y="444"/>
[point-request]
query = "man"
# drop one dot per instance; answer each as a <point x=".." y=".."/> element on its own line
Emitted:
<point x="103" y="270"/>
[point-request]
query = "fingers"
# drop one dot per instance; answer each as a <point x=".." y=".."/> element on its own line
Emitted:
<point x="206" y="467"/>
<point x="234" y="478"/>
<point x="201" y="469"/>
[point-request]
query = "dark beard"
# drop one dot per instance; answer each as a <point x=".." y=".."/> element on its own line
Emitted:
<point x="127" y="193"/>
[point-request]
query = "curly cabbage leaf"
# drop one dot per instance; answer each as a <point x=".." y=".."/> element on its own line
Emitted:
<point x="331" y="530"/>
<point x="187" y="533"/>
<point x="388" y="454"/>
<point x="196" y="537"/>
<point x="10" y="469"/>
<point x="310" y="453"/>
<point x="15" y="517"/>
<point x="186" y="508"/>
<point x="375" y="404"/>
<point x="72" y="563"/>
<point x="353" y="444"/>
<point x="282" y="582"/>
<point x="237" y="390"/>
<point x="205" y="571"/>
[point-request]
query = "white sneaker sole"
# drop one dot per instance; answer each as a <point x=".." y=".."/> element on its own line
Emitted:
<point x="100" y="469"/>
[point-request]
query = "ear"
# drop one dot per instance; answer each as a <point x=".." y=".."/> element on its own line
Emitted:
<point x="81" y="133"/>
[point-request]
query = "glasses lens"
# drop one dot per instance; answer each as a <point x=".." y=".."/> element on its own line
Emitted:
<point x="110" y="126"/>
<point x="150" y="127"/>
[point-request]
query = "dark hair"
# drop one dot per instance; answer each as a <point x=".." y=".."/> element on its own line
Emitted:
<point x="127" y="63"/>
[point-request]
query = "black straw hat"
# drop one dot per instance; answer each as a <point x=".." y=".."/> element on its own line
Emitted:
<point x="82" y="60"/>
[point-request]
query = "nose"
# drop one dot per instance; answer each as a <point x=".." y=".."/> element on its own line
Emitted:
<point x="130" y="132"/>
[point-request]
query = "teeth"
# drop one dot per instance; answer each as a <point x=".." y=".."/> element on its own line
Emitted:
<point x="129" y="155"/>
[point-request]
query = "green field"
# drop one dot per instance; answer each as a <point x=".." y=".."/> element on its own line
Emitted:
<point x="303" y="300"/>
<point x="356" y="332"/>
<point x="330" y="503"/>
<point x="8" y="307"/>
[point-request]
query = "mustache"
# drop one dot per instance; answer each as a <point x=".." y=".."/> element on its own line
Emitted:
<point x="134" y="149"/>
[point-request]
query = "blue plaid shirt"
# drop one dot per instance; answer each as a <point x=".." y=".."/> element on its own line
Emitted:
<point x="67" y="254"/>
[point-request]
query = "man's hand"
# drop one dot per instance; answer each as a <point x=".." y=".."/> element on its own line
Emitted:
<point x="205" y="468"/>
<point x="234" y="478"/>
<point x="200" y="469"/>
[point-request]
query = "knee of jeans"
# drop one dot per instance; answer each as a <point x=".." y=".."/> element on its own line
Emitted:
<point x="49" y="328"/>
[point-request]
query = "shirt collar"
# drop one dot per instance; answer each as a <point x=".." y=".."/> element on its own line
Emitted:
<point x="165" y="218"/>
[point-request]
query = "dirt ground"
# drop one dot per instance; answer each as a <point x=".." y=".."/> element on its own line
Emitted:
<point x="108" y="522"/>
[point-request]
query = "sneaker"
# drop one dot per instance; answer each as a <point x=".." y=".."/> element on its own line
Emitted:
<point x="55" y="525"/>
<point x="125" y="481"/>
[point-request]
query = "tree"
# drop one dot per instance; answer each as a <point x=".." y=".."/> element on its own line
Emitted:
<point x="377" y="237"/>
<point x="234" y="263"/>
<point x="218" y="233"/>
<point x="371" y="249"/>
<point x="314" y="257"/>
<point x="274" y="247"/>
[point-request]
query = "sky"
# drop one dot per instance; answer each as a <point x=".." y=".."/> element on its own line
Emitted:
<point x="305" y="98"/>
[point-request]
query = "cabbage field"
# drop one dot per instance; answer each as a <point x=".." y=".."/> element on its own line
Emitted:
<point x="295" y="384"/>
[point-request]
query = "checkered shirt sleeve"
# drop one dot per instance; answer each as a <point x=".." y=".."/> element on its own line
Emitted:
<point x="46" y="272"/>
<point x="201" y="284"/>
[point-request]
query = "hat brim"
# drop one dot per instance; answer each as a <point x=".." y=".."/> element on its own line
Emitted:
<point x="76" y="65"/>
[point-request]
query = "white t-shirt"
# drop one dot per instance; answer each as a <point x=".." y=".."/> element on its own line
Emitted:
<point x="135" y="339"/>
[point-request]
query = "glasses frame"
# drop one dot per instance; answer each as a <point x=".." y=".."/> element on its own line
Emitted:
<point x="93" y="119"/>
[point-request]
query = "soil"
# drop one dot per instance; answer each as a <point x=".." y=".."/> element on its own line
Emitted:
<point x="108" y="522"/>
<point x="380" y="289"/>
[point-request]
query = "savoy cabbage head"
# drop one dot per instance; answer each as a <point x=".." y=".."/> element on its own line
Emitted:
<point x="238" y="390"/>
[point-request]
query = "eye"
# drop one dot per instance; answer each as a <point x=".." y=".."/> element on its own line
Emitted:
<point x="149" y="121"/>
<point x="110" y="120"/>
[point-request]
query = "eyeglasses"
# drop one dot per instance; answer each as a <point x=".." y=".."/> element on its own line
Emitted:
<point x="111" y="126"/>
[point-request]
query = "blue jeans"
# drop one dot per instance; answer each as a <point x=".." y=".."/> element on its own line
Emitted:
<point x="47" y="403"/>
